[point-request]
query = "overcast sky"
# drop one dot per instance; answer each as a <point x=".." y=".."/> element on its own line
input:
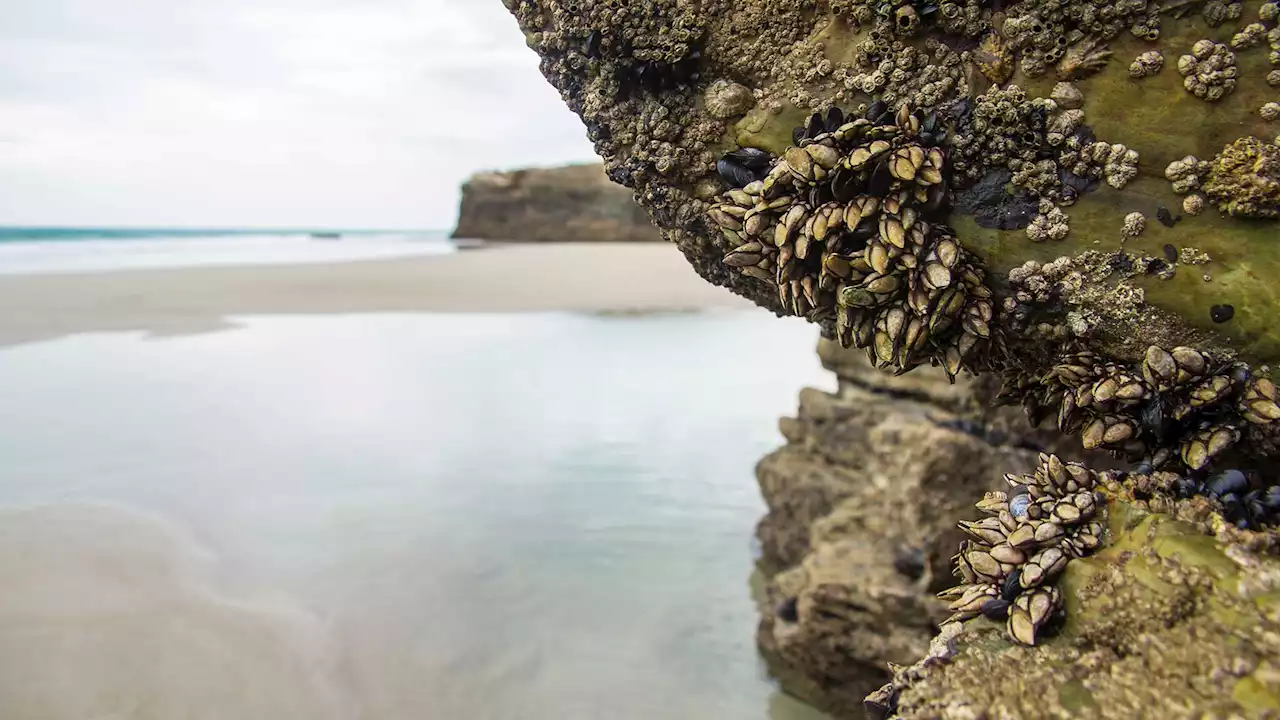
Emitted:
<point x="347" y="113"/>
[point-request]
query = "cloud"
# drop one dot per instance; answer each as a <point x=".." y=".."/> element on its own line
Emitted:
<point x="351" y="113"/>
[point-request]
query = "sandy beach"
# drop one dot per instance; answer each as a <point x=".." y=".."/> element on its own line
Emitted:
<point x="605" y="277"/>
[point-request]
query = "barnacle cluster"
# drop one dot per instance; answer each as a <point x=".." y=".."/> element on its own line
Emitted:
<point x="1012" y="558"/>
<point x="1072" y="34"/>
<point x="844" y="224"/>
<point x="1049" y="224"/>
<point x="1186" y="174"/>
<point x="898" y="73"/>
<point x="1043" y="142"/>
<point x="1244" y="179"/>
<point x="1180" y="404"/>
<point x="637" y="48"/>
<point x="1209" y="71"/>
<point x="1146" y="64"/>
<point x="1217" y="12"/>
<point x="1001" y="125"/>
<point x="908" y="18"/>
<point x="1250" y="35"/>
<point x="1114" y="162"/>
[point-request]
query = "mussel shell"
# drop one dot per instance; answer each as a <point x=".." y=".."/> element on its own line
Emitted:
<point x="816" y="126"/>
<point x="877" y="109"/>
<point x="751" y="158"/>
<point x="734" y="175"/>
<point x="835" y="118"/>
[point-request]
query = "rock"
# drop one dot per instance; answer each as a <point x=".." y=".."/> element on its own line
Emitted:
<point x="863" y="505"/>
<point x="576" y="203"/>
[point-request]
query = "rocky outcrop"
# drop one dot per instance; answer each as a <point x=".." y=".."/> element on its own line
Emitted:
<point x="864" y="501"/>
<point x="576" y="203"/>
<point x="1179" y="616"/>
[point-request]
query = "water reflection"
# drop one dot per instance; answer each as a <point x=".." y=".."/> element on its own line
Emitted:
<point x="425" y="516"/>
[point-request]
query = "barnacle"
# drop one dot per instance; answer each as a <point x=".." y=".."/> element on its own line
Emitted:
<point x="1244" y="179"/>
<point x="1178" y="405"/>
<point x="1008" y="564"/>
<point x="1134" y="224"/>
<point x="843" y="225"/>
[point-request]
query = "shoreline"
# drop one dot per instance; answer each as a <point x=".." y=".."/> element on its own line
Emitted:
<point x="607" y="278"/>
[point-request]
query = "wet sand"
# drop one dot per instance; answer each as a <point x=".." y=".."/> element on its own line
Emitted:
<point x="604" y="277"/>
<point x="110" y="610"/>
<point x="390" y="517"/>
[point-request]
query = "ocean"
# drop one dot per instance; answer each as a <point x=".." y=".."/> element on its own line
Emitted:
<point x="506" y="516"/>
<point x="30" y="250"/>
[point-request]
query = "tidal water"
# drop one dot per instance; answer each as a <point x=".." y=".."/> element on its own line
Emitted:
<point x="393" y="516"/>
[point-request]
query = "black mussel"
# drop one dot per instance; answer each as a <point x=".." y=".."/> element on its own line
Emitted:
<point x="1221" y="313"/>
<point x="1271" y="498"/>
<point x="937" y="201"/>
<point x="797" y="136"/>
<point x="881" y="180"/>
<point x="1155" y="418"/>
<point x="593" y="44"/>
<point x="1165" y="217"/>
<point x="877" y="109"/>
<point x="930" y="122"/>
<point x="1240" y="374"/>
<point x="733" y="174"/>
<point x="1012" y="585"/>
<point x="1228" y="482"/>
<point x="845" y="185"/>
<point x="835" y="118"/>
<point x="996" y="609"/>
<point x="1186" y="487"/>
<point x="815" y="126"/>
<point x="751" y="158"/>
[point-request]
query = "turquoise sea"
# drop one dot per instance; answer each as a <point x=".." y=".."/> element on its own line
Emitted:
<point x="515" y="517"/>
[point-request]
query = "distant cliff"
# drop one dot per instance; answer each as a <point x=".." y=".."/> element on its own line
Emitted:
<point x="576" y="203"/>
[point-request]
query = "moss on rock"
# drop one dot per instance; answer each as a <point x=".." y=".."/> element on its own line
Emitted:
<point x="1164" y="622"/>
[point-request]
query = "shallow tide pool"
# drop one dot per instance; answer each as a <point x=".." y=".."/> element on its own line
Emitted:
<point x="393" y="516"/>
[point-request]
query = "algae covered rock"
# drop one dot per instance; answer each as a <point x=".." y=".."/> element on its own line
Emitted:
<point x="882" y="168"/>
<point x="1164" y="622"/>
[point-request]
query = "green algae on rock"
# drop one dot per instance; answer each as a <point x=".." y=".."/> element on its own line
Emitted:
<point x="1244" y="179"/>
<point x="1163" y="622"/>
